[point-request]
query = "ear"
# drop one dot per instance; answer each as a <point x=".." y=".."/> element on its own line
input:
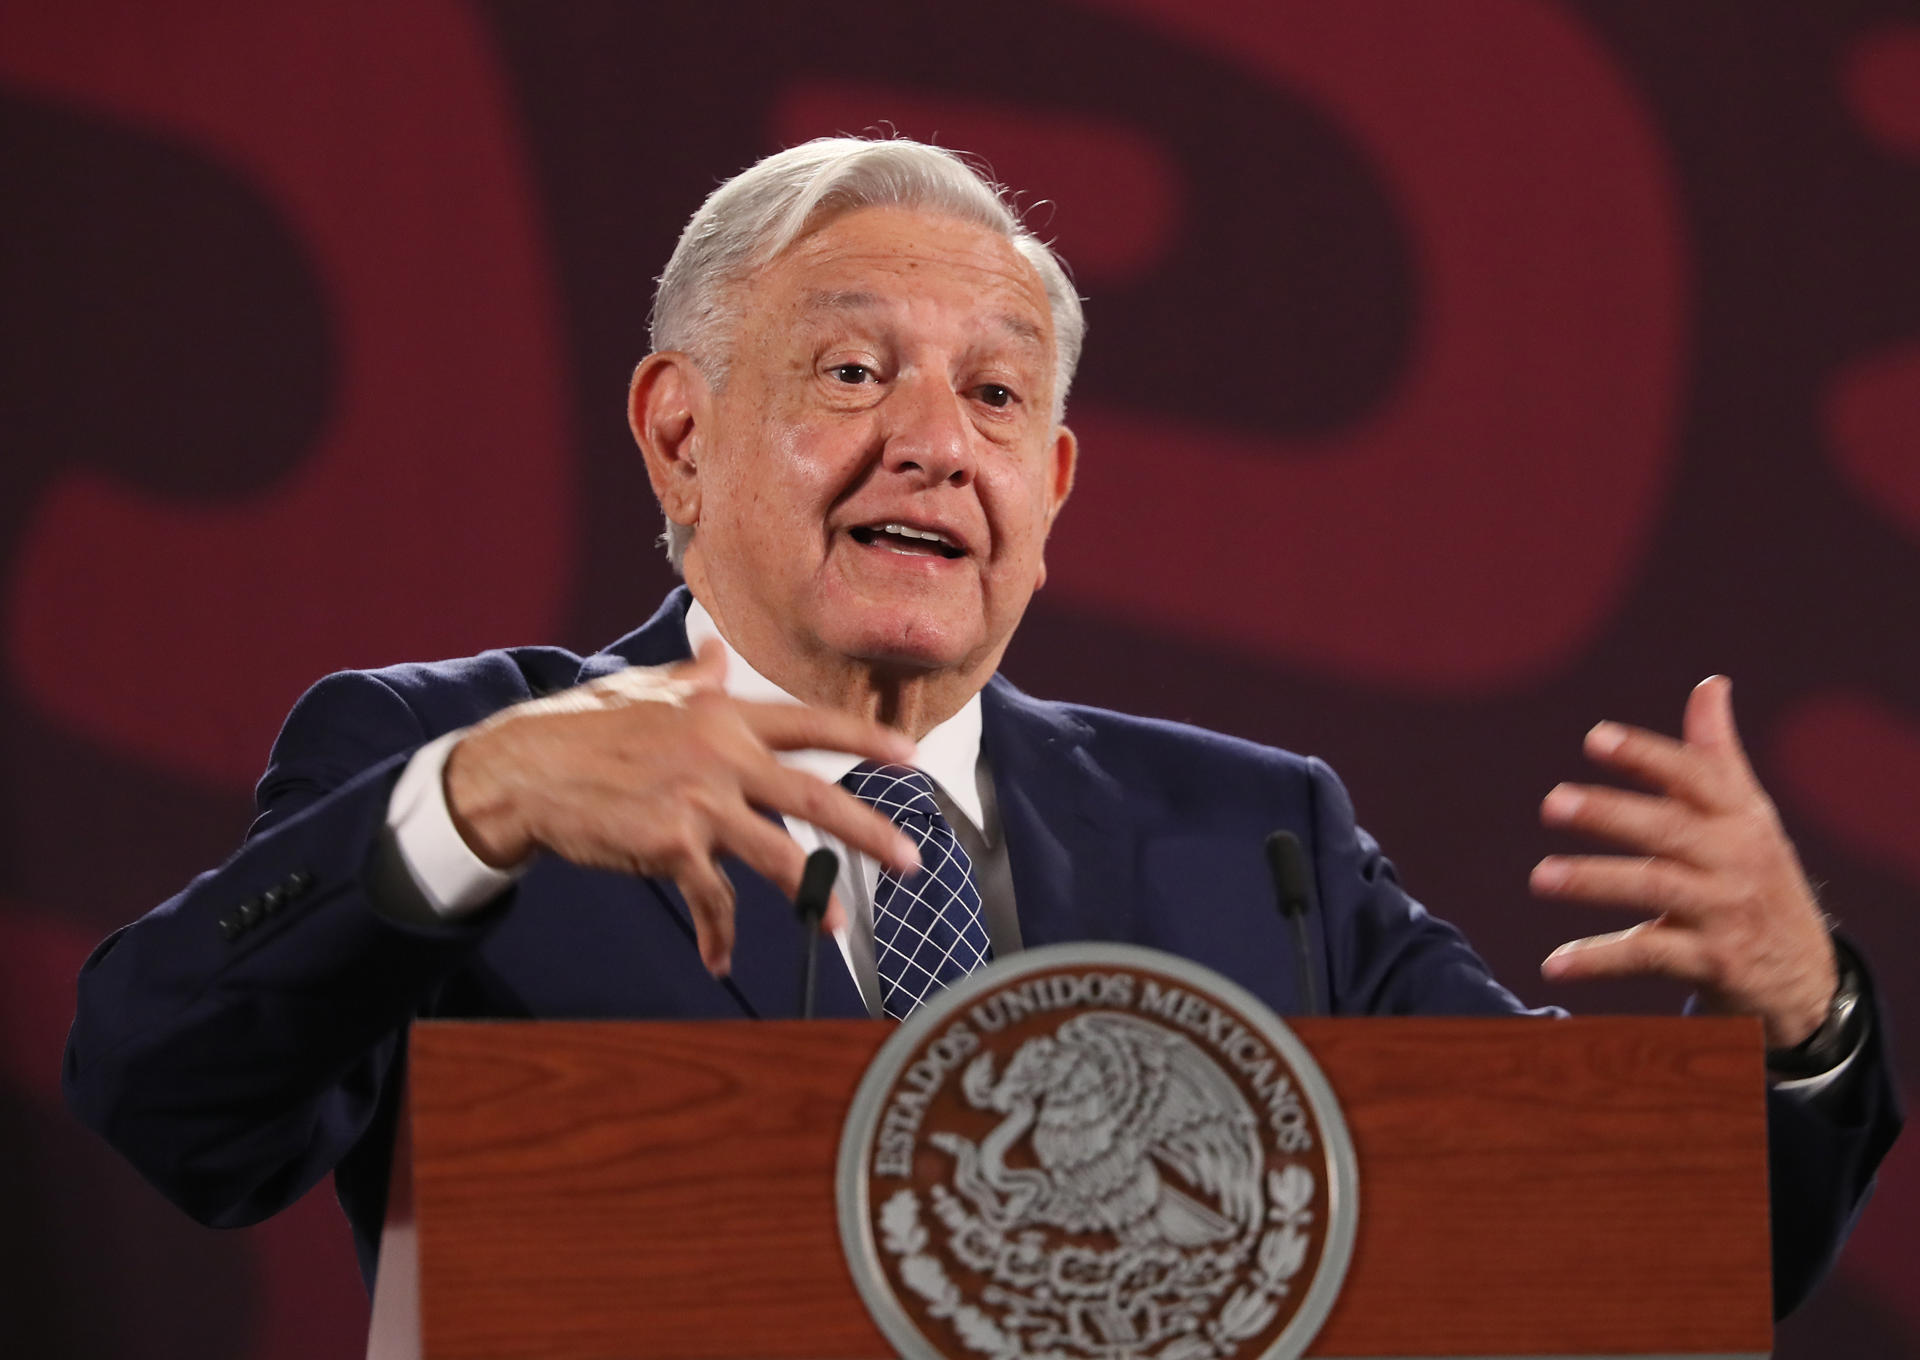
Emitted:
<point x="1065" y="457"/>
<point x="669" y="409"/>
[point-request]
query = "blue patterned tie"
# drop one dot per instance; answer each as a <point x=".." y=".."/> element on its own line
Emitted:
<point x="927" y="930"/>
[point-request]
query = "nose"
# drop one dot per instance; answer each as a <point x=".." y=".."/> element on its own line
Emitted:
<point x="928" y="435"/>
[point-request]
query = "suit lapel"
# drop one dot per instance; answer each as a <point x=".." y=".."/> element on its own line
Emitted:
<point x="768" y="953"/>
<point x="1069" y="834"/>
<point x="767" y="937"/>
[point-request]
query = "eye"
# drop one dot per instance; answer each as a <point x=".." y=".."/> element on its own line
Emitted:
<point x="993" y="394"/>
<point x="852" y="374"/>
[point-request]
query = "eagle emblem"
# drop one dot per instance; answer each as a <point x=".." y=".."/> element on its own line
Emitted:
<point x="1133" y="1131"/>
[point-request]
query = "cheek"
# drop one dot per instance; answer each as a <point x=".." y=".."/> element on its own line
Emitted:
<point x="788" y="489"/>
<point x="1017" y="507"/>
<point x="763" y="474"/>
<point x="799" y="483"/>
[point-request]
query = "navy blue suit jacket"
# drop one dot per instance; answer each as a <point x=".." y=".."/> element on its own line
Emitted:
<point x="236" y="1069"/>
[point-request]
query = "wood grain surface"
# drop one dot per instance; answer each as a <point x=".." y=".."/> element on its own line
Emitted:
<point x="635" y="1189"/>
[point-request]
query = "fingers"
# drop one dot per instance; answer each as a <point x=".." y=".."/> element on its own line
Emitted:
<point x="709" y="897"/>
<point x="789" y="727"/>
<point x="1650" y="947"/>
<point x="770" y="852"/>
<point x="655" y="771"/>
<point x="1659" y="762"/>
<point x="1649" y="884"/>
<point x="834" y="811"/>
<point x="1710" y="814"/>
<point x="1641" y="822"/>
<point x="836" y="917"/>
<point x="1709" y="724"/>
<point x="1707" y="767"/>
<point x="762" y="847"/>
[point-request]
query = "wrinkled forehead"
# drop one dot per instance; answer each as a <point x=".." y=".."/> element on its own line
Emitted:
<point x="890" y="263"/>
<point x="1016" y="326"/>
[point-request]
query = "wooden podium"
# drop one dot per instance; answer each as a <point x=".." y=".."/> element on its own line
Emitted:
<point x="1586" y="1187"/>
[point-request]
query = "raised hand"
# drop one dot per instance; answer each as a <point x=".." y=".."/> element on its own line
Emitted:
<point x="1731" y="910"/>
<point x="656" y="772"/>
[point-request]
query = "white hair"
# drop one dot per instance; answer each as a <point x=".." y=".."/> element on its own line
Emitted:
<point x="764" y="209"/>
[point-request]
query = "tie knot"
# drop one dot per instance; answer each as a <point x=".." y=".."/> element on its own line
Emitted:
<point x="899" y="791"/>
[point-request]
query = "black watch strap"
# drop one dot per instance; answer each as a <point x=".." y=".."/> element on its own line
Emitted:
<point x="1827" y="1046"/>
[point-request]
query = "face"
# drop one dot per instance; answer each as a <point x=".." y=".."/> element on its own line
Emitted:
<point x="875" y="480"/>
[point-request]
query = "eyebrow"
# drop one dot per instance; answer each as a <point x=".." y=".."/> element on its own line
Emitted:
<point x="1020" y="327"/>
<point x="841" y="300"/>
<point x="854" y="300"/>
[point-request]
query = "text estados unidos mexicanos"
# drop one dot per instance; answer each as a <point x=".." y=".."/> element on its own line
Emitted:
<point x="1226" y="1036"/>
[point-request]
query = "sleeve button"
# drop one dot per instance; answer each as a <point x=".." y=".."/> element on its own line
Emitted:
<point x="229" y="928"/>
<point x="272" y="900"/>
<point x="248" y="913"/>
<point x="298" y="882"/>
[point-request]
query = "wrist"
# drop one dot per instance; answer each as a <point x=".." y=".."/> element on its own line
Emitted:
<point x="1829" y="1041"/>
<point x="480" y="804"/>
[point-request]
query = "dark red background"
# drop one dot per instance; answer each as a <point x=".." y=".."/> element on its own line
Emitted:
<point x="1458" y="375"/>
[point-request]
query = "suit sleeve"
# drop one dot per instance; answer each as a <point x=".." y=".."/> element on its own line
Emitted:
<point x="1823" y="1149"/>
<point x="234" y="1042"/>
<point x="1387" y="954"/>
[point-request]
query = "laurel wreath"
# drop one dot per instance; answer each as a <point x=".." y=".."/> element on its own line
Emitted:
<point x="1281" y="1254"/>
<point x="902" y="1235"/>
<point x="1283" y="1250"/>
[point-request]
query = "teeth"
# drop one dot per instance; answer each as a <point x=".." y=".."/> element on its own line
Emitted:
<point x="906" y="532"/>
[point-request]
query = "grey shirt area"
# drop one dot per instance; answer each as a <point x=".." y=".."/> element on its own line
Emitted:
<point x="992" y="870"/>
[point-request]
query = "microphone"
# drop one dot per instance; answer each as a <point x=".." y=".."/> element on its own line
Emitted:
<point x="816" y="883"/>
<point x="1293" y="884"/>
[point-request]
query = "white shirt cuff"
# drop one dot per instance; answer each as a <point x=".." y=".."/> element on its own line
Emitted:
<point x="454" y="881"/>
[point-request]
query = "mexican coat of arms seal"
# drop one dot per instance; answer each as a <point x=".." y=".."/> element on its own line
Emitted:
<point x="1096" y="1152"/>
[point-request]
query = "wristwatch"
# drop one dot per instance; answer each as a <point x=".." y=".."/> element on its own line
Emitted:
<point x="1823" y="1050"/>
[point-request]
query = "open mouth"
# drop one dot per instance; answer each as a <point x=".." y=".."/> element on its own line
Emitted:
<point x="903" y="538"/>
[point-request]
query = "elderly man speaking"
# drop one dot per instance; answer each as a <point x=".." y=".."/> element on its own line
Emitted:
<point x="853" y="423"/>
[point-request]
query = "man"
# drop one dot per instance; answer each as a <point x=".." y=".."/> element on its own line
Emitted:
<point x="852" y="421"/>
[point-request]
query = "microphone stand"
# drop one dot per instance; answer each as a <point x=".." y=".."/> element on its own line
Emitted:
<point x="1293" y="884"/>
<point x="816" y="883"/>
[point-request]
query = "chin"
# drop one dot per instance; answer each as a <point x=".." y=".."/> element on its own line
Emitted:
<point x="909" y="639"/>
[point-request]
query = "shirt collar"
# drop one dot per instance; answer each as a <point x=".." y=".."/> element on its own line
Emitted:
<point x="949" y="754"/>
